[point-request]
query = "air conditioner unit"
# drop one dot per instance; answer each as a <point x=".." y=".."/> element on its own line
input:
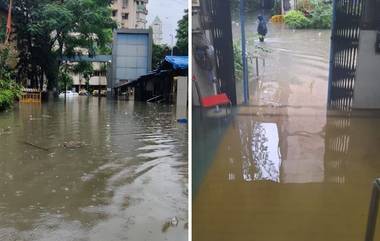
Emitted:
<point x="196" y="3"/>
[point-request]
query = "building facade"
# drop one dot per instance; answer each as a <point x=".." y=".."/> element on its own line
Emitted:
<point x="157" y="30"/>
<point x="130" y="13"/>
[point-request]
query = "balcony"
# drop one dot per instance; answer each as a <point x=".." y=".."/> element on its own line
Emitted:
<point x="141" y="20"/>
<point x="142" y="9"/>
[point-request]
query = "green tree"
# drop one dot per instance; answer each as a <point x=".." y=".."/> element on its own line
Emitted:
<point x="65" y="81"/>
<point x="9" y="90"/>
<point x="84" y="69"/>
<point x="48" y="30"/>
<point x="182" y="35"/>
<point x="159" y="53"/>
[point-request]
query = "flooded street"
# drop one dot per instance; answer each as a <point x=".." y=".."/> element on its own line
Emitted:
<point x="93" y="170"/>
<point x="283" y="168"/>
<point x="293" y="65"/>
<point x="279" y="177"/>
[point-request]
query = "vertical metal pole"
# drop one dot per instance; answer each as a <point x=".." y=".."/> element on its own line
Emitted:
<point x="373" y="211"/>
<point x="243" y="48"/>
<point x="332" y="54"/>
<point x="172" y="44"/>
<point x="257" y="67"/>
<point x="282" y="7"/>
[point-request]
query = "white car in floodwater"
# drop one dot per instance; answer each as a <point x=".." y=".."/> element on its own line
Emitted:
<point x="69" y="93"/>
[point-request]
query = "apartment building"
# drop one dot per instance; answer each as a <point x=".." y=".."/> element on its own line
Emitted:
<point x="130" y="13"/>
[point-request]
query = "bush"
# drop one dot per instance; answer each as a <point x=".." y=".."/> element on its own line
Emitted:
<point x="9" y="90"/>
<point x="238" y="62"/>
<point x="296" y="19"/>
<point x="321" y="15"/>
<point x="318" y="15"/>
<point x="65" y="81"/>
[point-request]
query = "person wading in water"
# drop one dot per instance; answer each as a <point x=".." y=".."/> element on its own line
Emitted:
<point x="262" y="28"/>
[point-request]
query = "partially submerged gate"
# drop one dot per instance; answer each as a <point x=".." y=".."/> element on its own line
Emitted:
<point x="218" y="21"/>
<point x="344" y="50"/>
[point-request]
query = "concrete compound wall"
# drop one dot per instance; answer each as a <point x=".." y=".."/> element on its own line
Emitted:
<point x="367" y="83"/>
<point x="131" y="56"/>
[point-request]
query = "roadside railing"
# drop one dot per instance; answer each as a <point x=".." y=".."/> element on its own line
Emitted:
<point x="30" y="96"/>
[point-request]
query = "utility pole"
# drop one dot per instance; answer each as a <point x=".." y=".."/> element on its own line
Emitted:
<point x="172" y="44"/>
<point x="9" y="22"/>
<point x="243" y="49"/>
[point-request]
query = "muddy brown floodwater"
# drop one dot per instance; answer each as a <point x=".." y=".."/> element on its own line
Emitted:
<point x="283" y="168"/>
<point x="92" y="170"/>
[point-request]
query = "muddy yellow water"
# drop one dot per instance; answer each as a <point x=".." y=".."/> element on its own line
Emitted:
<point x="92" y="170"/>
<point x="281" y="177"/>
<point x="283" y="168"/>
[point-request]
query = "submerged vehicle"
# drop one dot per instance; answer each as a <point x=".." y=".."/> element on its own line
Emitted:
<point x="84" y="92"/>
<point x="68" y="93"/>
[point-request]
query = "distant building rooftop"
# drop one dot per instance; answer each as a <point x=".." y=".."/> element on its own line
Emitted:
<point x="157" y="20"/>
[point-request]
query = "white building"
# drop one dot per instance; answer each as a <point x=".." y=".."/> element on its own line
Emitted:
<point x="130" y="13"/>
<point x="157" y="30"/>
<point x="97" y="81"/>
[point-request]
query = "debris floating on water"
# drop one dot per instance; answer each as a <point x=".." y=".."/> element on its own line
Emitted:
<point x="174" y="221"/>
<point x="5" y="131"/>
<point x="36" y="146"/>
<point x="182" y="121"/>
<point x="9" y="175"/>
<point x="73" y="144"/>
<point x="165" y="227"/>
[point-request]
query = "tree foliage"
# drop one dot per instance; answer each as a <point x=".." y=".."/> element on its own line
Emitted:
<point x="48" y="30"/>
<point x="65" y="81"/>
<point x="238" y="62"/>
<point x="159" y="53"/>
<point x="182" y="35"/>
<point x="9" y="90"/>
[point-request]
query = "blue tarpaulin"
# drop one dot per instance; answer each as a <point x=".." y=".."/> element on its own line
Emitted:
<point x="178" y="62"/>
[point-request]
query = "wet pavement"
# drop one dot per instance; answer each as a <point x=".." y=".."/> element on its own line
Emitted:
<point x="92" y="170"/>
<point x="283" y="168"/>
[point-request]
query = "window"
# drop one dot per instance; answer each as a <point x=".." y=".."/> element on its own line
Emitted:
<point x="125" y="3"/>
<point x="125" y="16"/>
<point x="114" y="12"/>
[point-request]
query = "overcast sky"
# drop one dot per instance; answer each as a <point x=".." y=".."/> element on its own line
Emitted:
<point x="169" y="11"/>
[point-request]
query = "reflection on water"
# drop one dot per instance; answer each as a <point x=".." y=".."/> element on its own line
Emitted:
<point x="92" y="170"/>
<point x="260" y="152"/>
